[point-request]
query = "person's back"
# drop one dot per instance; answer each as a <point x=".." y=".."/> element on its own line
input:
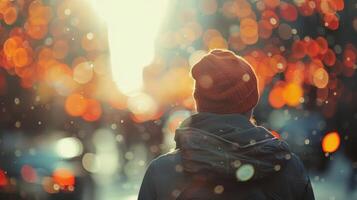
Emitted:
<point x="219" y="153"/>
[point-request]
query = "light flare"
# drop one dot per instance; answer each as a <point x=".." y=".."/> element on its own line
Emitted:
<point x="132" y="29"/>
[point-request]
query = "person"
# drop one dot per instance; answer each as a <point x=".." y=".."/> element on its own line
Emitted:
<point x="220" y="153"/>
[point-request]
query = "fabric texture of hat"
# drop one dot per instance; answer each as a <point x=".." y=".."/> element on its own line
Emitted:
<point x="224" y="83"/>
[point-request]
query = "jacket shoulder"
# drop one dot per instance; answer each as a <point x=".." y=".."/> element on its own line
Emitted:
<point x="298" y="179"/>
<point x="167" y="160"/>
<point x="168" y="172"/>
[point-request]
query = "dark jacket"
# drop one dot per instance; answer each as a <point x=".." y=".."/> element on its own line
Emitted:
<point x="226" y="157"/>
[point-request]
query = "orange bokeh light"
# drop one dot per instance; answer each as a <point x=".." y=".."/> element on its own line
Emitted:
<point x="45" y="41"/>
<point x="248" y="27"/>
<point x="76" y="105"/>
<point x="292" y="94"/>
<point x="276" y="98"/>
<point x="320" y="78"/>
<point x="93" y="111"/>
<point x="331" y="142"/>
<point x="11" y="45"/>
<point x="21" y="57"/>
<point x="63" y="177"/>
<point x="10" y="15"/>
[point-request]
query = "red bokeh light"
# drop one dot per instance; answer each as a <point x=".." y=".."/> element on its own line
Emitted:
<point x="288" y="12"/>
<point x="3" y="178"/>
<point x="29" y="174"/>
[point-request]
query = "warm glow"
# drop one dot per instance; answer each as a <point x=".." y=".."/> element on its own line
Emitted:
<point x="292" y="94"/>
<point x="331" y="142"/>
<point x="93" y="112"/>
<point x="49" y="185"/>
<point x="3" y="178"/>
<point x="76" y="105"/>
<point x="276" y="98"/>
<point x="320" y="78"/>
<point x="63" y="177"/>
<point x="276" y="134"/>
<point x="132" y="28"/>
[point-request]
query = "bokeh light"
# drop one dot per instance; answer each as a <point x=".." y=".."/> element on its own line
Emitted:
<point x="93" y="111"/>
<point x="76" y="105"/>
<point x="143" y="106"/>
<point x="69" y="147"/>
<point x="29" y="174"/>
<point x="90" y="162"/>
<point x="106" y="161"/>
<point x="320" y="78"/>
<point x="56" y="43"/>
<point x="83" y="72"/>
<point x="114" y="76"/>
<point x="292" y="94"/>
<point x="245" y="172"/>
<point x="124" y="37"/>
<point x="63" y="177"/>
<point x="331" y="142"/>
<point x="49" y="185"/>
<point x="3" y="178"/>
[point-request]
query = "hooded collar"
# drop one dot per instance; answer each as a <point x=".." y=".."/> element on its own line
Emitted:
<point x="226" y="144"/>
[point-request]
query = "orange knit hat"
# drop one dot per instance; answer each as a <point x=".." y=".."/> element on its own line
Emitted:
<point x="224" y="83"/>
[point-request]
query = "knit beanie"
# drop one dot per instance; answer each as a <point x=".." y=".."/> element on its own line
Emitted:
<point x="224" y="83"/>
